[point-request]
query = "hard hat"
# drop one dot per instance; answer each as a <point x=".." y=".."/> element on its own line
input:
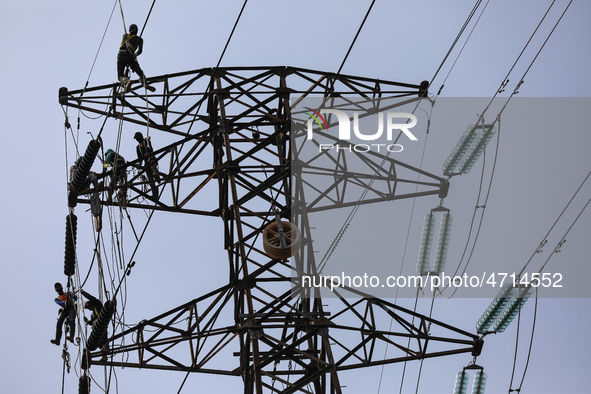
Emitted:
<point x="138" y="136"/>
<point x="133" y="29"/>
<point x="109" y="155"/>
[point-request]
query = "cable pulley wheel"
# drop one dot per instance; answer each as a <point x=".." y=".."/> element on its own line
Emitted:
<point x="272" y="240"/>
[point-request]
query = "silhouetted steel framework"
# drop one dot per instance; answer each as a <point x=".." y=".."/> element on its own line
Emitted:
<point x="281" y="339"/>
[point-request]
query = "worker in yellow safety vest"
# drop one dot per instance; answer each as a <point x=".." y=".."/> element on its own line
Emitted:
<point x="131" y="47"/>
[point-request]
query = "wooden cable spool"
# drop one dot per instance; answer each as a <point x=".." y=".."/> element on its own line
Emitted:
<point x="272" y="240"/>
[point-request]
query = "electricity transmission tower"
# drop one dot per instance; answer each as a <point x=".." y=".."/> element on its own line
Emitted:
<point x="232" y="129"/>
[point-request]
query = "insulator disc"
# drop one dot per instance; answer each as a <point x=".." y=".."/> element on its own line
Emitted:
<point x="72" y="198"/>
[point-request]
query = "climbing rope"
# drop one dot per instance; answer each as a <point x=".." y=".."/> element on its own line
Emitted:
<point x="122" y="17"/>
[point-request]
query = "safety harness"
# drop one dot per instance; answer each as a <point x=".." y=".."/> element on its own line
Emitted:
<point x="128" y="44"/>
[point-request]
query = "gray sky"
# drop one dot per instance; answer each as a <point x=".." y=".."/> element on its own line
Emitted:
<point x="47" y="45"/>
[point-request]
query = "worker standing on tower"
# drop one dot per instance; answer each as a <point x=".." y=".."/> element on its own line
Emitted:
<point x="118" y="173"/>
<point x="131" y="47"/>
<point x="145" y="153"/>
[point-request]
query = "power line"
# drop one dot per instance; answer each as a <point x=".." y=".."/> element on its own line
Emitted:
<point x="546" y="40"/>
<point x="563" y="239"/>
<point x="521" y="80"/>
<point x="516" y="348"/>
<point x="148" y="17"/>
<point x="478" y="2"/>
<point x="355" y="38"/>
<point x="230" y="37"/>
<point x="422" y="360"/>
<point x="545" y="239"/>
<point x="460" y="53"/>
<point x="100" y="46"/>
<point x="531" y="342"/>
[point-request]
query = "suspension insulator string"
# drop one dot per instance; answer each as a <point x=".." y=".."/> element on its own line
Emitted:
<point x="70" y="252"/>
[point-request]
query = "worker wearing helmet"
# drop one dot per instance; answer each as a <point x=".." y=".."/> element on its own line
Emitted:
<point x="67" y="314"/>
<point x="119" y="172"/>
<point x="145" y="152"/>
<point x="131" y="47"/>
<point x="115" y="160"/>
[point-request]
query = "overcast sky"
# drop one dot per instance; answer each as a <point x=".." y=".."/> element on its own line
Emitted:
<point x="49" y="44"/>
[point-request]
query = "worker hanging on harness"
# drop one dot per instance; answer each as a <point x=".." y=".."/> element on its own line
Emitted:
<point x="95" y="306"/>
<point x="67" y="314"/>
<point x="145" y="153"/>
<point x="131" y="47"/>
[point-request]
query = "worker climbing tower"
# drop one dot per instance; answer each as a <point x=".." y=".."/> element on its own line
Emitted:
<point x="232" y="132"/>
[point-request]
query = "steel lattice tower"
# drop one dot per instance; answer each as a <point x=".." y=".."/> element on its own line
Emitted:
<point x="232" y="128"/>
